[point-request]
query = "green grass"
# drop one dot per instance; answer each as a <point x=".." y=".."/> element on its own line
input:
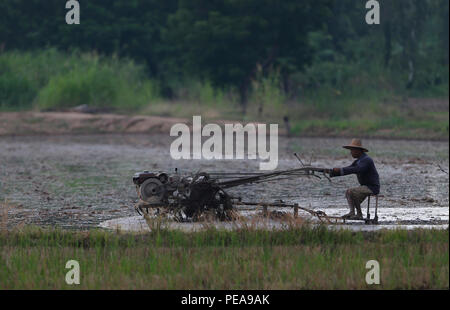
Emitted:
<point x="53" y="80"/>
<point x="369" y="121"/>
<point x="396" y="127"/>
<point x="329" y="99"/>
<point x="297" y="258"/>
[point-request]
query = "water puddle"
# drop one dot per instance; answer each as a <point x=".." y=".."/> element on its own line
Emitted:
<point x="389" y="218"/>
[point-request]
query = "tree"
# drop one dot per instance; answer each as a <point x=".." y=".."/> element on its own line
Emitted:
<point x="225" y="40"/>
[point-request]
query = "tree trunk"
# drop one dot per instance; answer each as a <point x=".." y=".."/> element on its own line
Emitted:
<point x="243" y="95"/>
<point x="387" y="13"/>
<point x="411" y="60"/>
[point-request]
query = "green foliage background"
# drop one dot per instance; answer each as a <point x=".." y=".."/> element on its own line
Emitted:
<point x="315" y="59"/>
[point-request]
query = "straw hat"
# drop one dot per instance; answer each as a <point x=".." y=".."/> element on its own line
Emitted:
<point x="356" y="144"/>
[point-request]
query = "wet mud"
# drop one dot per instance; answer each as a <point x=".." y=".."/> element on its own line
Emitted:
<point x="83" y="181"/>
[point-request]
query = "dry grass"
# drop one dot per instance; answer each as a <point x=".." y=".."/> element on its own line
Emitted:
<point x="5" y="207"/>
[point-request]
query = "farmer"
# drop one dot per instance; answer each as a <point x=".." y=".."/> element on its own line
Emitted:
<point x="367" y="174"/>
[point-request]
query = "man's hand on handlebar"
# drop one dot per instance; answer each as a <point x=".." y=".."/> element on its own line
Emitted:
<point x="335" y="172"/>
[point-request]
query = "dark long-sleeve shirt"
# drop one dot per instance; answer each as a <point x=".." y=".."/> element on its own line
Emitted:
<point x="365" y="170"/>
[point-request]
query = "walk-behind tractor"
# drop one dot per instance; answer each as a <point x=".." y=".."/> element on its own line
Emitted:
<point x="203" y="195"/>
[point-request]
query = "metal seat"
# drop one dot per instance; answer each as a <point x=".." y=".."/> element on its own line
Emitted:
<point x="368" y="220"/>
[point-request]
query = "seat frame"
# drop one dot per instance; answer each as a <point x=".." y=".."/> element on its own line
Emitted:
<point x="368" y="220"/>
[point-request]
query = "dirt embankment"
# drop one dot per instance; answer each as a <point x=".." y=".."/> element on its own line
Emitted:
<point x="54" y="123"/>
<point x="58" y="123"/>
<point x="61" y="123"/>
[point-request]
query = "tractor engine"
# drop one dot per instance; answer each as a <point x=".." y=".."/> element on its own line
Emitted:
<point x="186" y="197"/>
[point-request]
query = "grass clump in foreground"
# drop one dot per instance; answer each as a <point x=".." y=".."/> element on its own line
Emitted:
<point x="296" y="258"/>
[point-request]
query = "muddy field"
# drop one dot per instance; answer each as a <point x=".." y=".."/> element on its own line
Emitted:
<point x="82" y="181"/>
